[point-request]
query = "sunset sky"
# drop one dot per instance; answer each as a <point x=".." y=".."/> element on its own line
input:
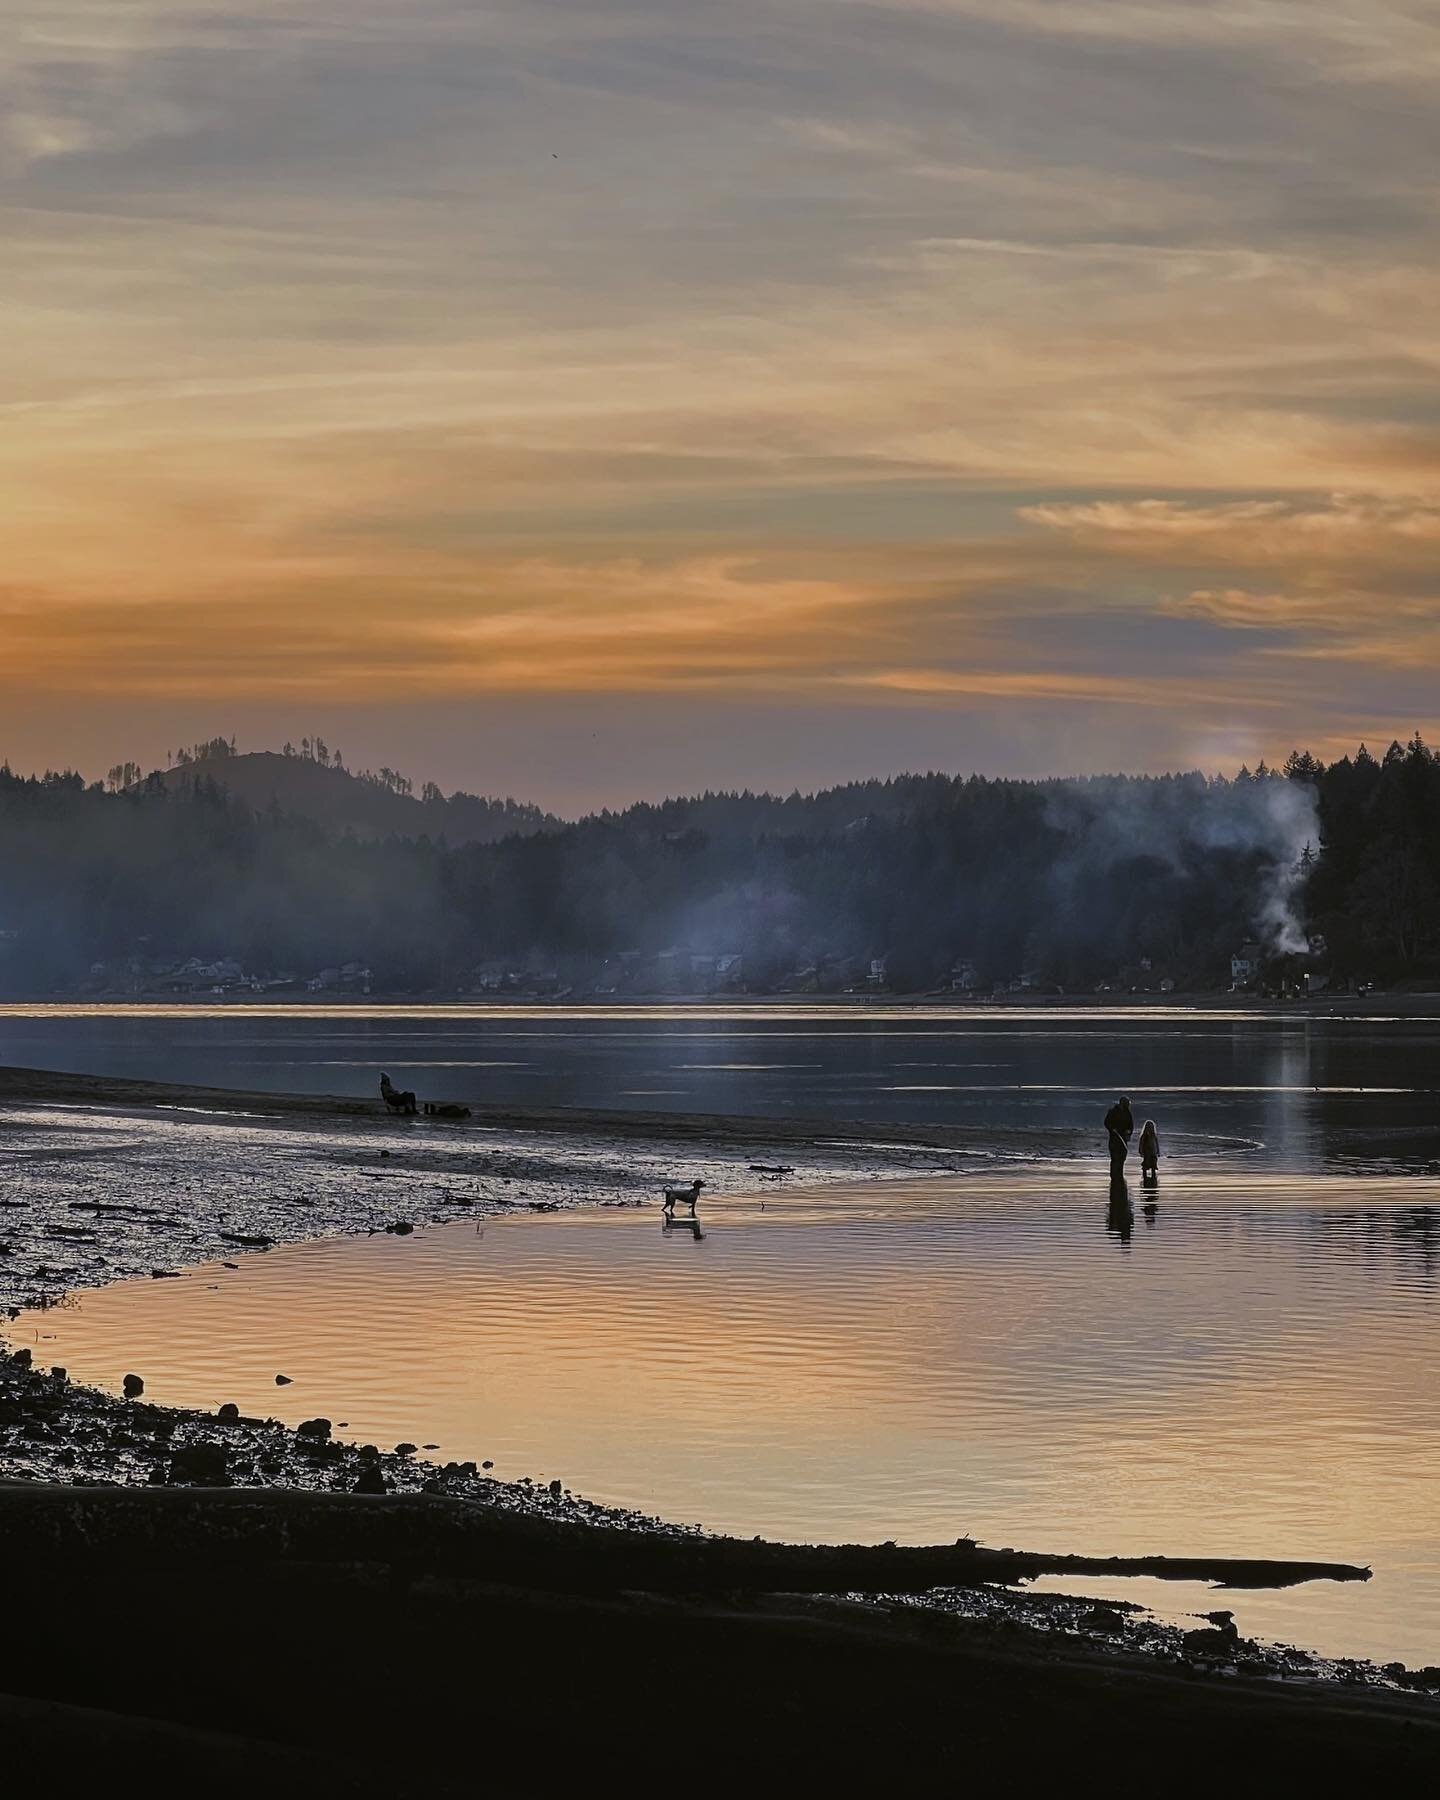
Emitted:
<point x="595" y="398"/>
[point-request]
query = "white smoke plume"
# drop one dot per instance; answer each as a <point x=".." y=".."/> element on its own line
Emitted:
<point x="1293" y="813"/>
<point x="1271" y="819"/>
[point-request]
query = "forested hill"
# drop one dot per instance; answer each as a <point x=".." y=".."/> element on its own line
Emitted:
<point x="175" y="883"/>
<point x="369" y="805"/>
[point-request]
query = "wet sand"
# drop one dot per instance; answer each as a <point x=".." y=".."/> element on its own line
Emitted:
<point x="102" y="1179"/>
<point x="362" y="1669"/>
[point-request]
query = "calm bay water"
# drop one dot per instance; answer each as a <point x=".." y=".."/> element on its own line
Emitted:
<point x="1299" y="1090"/>
<point x="1248" y="1370"/>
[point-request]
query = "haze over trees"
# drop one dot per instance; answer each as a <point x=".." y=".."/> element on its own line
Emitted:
<point x="1071" y="882"/>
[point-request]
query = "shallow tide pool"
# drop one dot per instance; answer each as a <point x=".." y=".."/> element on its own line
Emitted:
<point x="1247" y="1370"/>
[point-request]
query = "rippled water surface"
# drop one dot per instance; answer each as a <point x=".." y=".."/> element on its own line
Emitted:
<point x="1302" y="1090"/>
<point x="1251" y="1369"/>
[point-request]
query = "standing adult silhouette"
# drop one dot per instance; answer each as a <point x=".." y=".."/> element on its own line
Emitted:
<point x="1119" y="1129"/>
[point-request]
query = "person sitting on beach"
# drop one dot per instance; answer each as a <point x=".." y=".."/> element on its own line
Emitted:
<point x="1149" y="1151"/>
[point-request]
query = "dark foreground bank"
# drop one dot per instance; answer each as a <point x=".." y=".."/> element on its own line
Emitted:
<point x="215" y="1641"/>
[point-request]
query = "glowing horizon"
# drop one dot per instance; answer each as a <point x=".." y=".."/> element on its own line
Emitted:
<point x="589" y="401"/>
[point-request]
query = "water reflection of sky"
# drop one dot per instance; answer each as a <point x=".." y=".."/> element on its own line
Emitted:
<point x="1308" y="1090"/>
<point x="1252" y="1373"/>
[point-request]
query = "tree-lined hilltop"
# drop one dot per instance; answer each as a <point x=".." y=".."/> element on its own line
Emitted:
<point x="279" y="870"/>
<point x="313" y="783"/>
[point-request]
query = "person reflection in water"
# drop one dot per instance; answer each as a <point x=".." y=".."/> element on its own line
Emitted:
<point x="1149" y="1153"/>
<point x="1120" y="1217"/>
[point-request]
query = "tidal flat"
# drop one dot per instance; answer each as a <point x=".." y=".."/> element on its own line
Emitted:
<point x="120" y="1190"/>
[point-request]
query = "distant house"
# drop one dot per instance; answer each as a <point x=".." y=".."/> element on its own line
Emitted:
<point x="672" y="971"/>
<point x="618" y="972"/>
<point x="964" y="976"/>
<point x="349" y="978"/>
<point x="879" y="971"/>
<point x="1245" y="964"/>
<point x="198" y="974"/>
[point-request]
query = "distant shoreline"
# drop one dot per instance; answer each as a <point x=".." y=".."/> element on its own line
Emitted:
<point x="1417" y="1005"/>
<point x="843" y="1140"/>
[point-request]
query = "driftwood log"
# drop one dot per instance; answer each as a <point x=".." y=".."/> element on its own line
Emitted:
<point x="434" y="1535"/>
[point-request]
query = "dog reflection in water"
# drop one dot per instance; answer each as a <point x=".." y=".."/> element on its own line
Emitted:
<point x="691" y="1227"/>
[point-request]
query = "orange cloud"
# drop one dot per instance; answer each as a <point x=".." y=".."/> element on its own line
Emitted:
<point x="577" y="349"/>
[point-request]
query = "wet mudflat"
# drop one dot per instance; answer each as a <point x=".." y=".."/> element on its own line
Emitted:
<point x="98" y="1188"/>
<point x="1247" y="1371"/>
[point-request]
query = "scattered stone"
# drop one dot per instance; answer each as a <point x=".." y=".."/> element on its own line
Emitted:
<point x="401" y="1228"/>
<point x="1102" y="1618"/>
<point x="283" y="1381"/>
<point x="200" y="1465"/>
<point x="1221" y="1643"/>
<point x="369" y="1480"/>
<point x="557" y="1487"/>
<point x="487" y="1465"/>
<point x="313" y="1428"/>
<point x="229" y="1413"/>
<point x="59" y="1375"/>
<point x="21" y="1359"/>
<point x="405" y="1449"/>
<point x="132" y="1387"/>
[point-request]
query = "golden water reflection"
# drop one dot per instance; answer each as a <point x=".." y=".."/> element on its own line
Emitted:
<point x="1248" y="1371"/>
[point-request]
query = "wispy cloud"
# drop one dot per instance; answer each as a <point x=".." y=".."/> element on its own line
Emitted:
<point x="905" y="355"/>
